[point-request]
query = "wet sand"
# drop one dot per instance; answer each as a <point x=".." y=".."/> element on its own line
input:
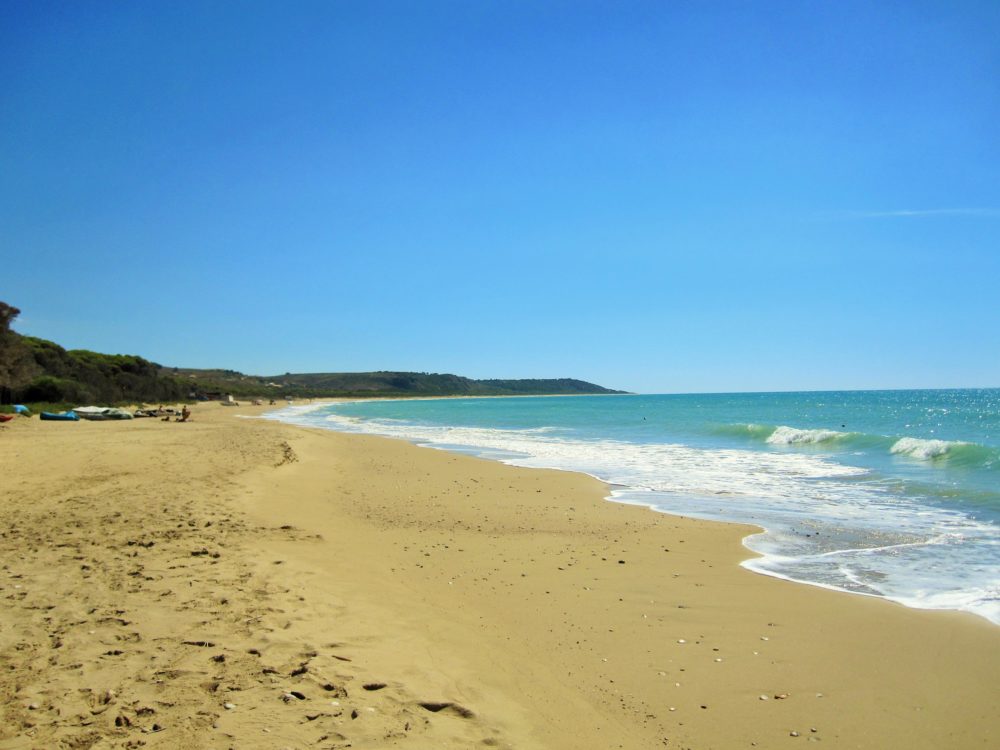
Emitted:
<point x="242" y="583"/>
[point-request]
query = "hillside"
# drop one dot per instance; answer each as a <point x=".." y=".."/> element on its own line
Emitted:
<point x="379" y="384"/>
<point x="34" y="370"/>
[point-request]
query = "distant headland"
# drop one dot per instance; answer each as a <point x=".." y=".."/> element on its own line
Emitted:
<point x="38" y="371"/>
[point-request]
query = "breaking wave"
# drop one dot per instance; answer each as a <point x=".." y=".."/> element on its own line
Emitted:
<point x="924" y="449"/>
<point x="953" y="453"/>
<point x="791" y="436"/>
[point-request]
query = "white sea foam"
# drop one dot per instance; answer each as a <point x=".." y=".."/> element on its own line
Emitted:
<point x="658" y="467"/>
<point x="792" y="435"/>
<point x="291" y="412"/>
<point x="946" y="572"/>
<point x="923" y="449"/>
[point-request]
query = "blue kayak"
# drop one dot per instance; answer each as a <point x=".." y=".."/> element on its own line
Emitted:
<point x="63" y="416"/>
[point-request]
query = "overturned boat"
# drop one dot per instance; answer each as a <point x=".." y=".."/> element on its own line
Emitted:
<point x="59" y="416"/>
<point x="100" y="413"/>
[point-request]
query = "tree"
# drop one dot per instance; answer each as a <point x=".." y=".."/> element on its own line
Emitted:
<point x="16" y="363"/>
<point x="7" y="315"/>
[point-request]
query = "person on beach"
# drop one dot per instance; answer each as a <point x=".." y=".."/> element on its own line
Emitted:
<point x="185" y="414"/>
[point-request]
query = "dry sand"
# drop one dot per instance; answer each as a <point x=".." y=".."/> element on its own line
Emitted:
<point x="239" y="583"/>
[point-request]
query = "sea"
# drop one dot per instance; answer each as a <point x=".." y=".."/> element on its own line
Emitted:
<point x="893" y="494"/>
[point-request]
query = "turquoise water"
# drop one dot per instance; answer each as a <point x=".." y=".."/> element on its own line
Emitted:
<point x="886" y="493"/>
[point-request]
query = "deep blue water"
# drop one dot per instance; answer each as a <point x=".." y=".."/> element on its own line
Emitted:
<point x="886" y="493"/>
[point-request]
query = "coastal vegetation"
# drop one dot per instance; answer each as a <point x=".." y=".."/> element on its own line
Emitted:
<point x="384" y="383"/>
<point x="33" y="370"/>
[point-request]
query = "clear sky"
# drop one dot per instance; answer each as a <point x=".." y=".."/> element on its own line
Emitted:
<point x="655" y="196"/>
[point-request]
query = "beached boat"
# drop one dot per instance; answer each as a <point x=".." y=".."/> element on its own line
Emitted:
<point x="100" y="413"/>
<point x="6" y="417"/>
<point x="62" y="416"/>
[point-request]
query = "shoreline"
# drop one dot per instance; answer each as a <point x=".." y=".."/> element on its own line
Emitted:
<point x="619" y="493"/>
<point x="437" y="598"/>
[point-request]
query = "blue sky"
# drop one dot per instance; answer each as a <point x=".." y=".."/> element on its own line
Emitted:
<point x="660" y="197"/>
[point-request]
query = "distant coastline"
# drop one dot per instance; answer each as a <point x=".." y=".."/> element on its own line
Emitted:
<point x="35" y="370"/>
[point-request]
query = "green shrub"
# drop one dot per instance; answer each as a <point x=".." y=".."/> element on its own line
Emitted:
<point x="53" y="389"/>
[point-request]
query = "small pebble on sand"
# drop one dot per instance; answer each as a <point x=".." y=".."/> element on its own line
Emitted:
<point x="229" y="706"/>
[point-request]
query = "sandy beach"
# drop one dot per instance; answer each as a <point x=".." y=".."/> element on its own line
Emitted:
<point x="241" y="583"/>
